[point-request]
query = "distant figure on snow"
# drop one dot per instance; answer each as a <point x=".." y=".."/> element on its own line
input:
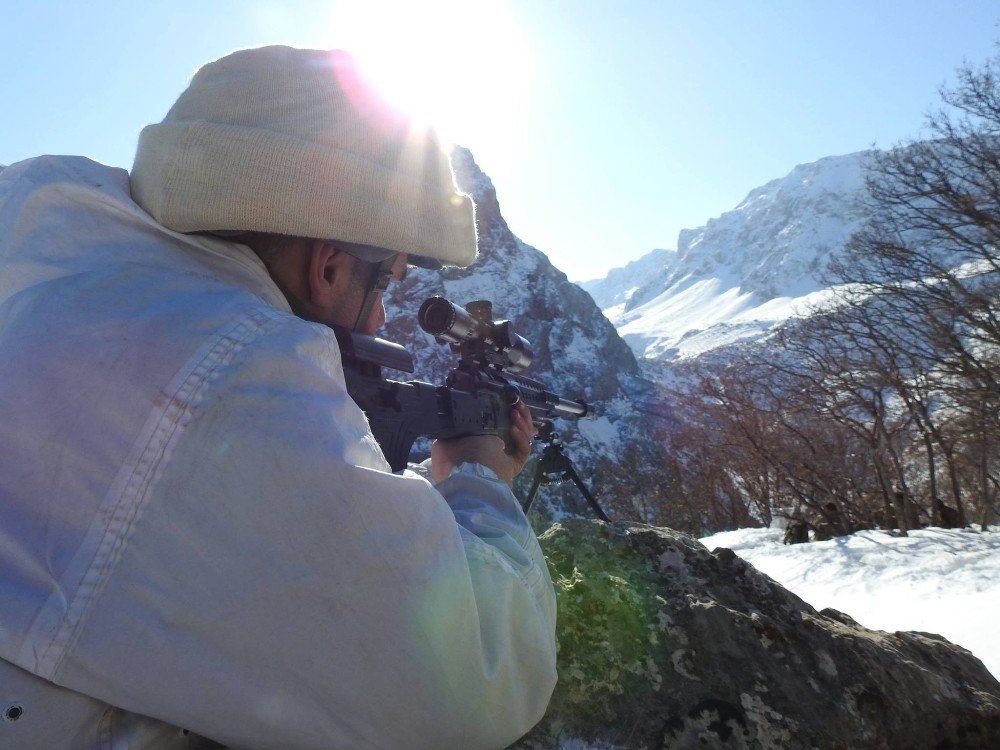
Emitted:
<point x="949" y="516"/>
<point x="797" y="532"/>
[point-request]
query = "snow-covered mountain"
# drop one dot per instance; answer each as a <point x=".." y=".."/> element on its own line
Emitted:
<point x="616" y="290"/>
<point x="578" y="353"/>
<point x="743" y="272"/>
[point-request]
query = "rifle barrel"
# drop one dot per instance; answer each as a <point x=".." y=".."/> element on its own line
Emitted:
<point x="573" y="408"/>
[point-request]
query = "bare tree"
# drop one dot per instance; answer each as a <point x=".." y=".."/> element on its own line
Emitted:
<point x="930" y="256"/>
<point x="885" y="407"/>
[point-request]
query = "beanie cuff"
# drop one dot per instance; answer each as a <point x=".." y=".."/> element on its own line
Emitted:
<point x="203" y="176"/>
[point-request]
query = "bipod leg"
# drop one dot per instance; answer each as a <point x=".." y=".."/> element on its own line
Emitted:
<point x="555" y="461"/>
<point x="586" y="493"/>
<point x="526" y="506"/>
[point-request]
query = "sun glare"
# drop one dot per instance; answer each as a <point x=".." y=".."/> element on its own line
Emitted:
<point x="460" y="66"/>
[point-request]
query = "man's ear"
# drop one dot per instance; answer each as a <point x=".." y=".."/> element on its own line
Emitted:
<point x="328" y="270"/>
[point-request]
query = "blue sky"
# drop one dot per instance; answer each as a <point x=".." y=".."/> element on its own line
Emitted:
<point x="606" y="126"/>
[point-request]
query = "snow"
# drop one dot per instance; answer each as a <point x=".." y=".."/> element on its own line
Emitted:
<point x="935" y="580"/>
<point x="600" y="433"/>
<point x="622" y="284"/>
<point x="694" y="317"/>
<point x="744" y="272"/>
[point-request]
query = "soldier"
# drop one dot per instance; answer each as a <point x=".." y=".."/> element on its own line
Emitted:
<point x="201" y="537"/>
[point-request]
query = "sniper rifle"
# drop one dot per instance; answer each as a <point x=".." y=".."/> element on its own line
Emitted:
<point x="477" y="394"/>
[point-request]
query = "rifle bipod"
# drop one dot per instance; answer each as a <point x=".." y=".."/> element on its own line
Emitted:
<point x="555" y="466"/>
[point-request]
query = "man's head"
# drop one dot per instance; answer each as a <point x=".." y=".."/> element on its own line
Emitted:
<point x="327" y="282"/>
<point x="294" y="143"/>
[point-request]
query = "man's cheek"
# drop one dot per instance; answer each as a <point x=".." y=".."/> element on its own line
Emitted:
<point x="377" y="318"/>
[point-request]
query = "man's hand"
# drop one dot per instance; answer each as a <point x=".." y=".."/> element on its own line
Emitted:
<point x="487" y="450"/>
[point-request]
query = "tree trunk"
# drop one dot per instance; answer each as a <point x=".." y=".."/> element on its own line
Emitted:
<point x="932" y="480"/>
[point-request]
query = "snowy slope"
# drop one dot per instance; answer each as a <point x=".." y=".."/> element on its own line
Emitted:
<point x="615" y="291"/>
<point x="935" y="580"/>
<point x="741" y="273"/>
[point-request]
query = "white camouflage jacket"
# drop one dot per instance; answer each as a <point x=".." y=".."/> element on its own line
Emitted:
<point x="200" y="535"/>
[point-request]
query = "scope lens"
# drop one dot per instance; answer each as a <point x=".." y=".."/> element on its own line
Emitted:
<point x="436" y="316"/>
<point x="515" y="346"/>
<point x="446" y="320"/>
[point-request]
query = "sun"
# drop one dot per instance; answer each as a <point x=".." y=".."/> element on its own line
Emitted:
<point x="461" y="66"/>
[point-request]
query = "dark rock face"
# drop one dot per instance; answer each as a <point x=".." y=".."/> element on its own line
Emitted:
<point x="574" y="344"/>
<point x="663" y="644"/>
<point x="577" y="352"/>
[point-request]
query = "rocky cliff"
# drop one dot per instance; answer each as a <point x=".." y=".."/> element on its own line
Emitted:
<point x="578" y="353"/>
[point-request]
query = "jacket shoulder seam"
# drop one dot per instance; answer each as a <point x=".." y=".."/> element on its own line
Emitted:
<point x="122" y="506"/>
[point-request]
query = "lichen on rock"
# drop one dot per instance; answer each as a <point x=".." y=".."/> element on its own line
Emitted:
<point x="612" y="631"/>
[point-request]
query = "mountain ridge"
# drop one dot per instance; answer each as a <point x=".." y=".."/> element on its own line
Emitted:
<point x="744" y="271"/>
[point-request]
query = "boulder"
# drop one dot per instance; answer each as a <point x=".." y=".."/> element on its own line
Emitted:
<point x="663" y="644"/>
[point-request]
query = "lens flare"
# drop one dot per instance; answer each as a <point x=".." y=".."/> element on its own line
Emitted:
<point x="462" y="67"/>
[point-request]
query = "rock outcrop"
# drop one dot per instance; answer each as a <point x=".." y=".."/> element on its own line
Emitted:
<point x="663" y="644"/>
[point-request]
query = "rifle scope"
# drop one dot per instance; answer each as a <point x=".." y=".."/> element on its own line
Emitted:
<point x="473" y="331"/>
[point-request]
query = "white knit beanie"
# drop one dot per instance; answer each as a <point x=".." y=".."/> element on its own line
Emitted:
<point x="292" y="141"/>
